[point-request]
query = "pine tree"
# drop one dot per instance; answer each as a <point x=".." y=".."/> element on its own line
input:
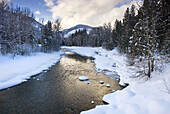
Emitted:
<point x="118" y="30"/>
<point x="147" y="35"/>
<point x="126" y="31"/>
<point x="47" y="37"/>
<point x="108" y="44"/>
<point x="56" y="40"/>
<point x="162" y="27"/>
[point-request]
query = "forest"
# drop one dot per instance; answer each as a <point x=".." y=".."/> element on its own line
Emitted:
<point x="21" y="34"/>
<point x="142" y="34"/>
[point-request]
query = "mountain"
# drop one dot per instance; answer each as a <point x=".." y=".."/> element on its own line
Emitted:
<point x="68" y="32"/>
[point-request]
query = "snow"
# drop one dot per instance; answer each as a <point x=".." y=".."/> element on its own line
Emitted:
<point x="145" y="97"/>
<point x="85" y="51"/>
<point x="83" y="78"/>
<point x="105" y="60"/>
<point x="87" y="81"/>
<point x="15" y="71"/>
<point x="101" y="82"/>
<point x="74" y="31"/>
<point x="150" y="97"/>
<point x="108" y="85"/>
<point x="113" y="90"/>
<point x="92" y="102"/>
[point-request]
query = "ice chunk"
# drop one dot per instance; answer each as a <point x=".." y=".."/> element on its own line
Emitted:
<point x="92" y="102"/>
<point x="108" y="85"/>
<point x="83" y="78"/>
<point x="101" y="82"/>
<point x="113" y="90"/>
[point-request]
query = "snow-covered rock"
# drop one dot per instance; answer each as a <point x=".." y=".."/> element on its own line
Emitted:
<point x="113" y="90"/>
<point x="108" y="85"/>
<point x="92" y="102"/>
<point x="83" y="78"/>
<point x="101" y="82"/>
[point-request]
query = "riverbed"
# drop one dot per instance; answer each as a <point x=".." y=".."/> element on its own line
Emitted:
<point x="58" y="90"/>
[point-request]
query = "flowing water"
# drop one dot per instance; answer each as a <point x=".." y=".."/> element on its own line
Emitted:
<point x="58" y="90"/>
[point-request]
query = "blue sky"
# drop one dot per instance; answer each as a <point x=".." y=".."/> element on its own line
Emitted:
<point x="36" y="5"/>
<point x="73" y="12"/>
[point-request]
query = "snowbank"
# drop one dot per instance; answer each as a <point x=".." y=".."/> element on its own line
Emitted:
<point x="16" y="71"/>
<point x="149" y="97"/>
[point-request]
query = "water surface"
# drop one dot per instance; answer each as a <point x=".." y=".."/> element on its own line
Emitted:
<point x="58" y="90"/>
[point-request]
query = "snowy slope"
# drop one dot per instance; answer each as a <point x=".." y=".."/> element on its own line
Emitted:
<point x="147" y="97"/>
<point x="68" y="32"/>
<point x="16" y="71"/>
<point x="74" y="31"/>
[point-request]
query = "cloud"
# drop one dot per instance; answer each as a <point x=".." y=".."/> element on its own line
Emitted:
<point x="49" y="3"/>
<point x="90" y="12"/>
<point x="37" y="12"/>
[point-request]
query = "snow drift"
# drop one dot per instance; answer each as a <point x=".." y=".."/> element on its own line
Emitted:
<point x="13" y="72"/>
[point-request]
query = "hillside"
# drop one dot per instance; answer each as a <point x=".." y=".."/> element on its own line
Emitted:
<point x="68" y="32"/>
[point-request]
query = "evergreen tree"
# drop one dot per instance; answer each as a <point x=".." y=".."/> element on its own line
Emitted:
<point x="126" y="31"/>
<point x="107" y="33"/>
<point x="47" y="37"/>
<point x="118" y="30"/>
<point x="56" y="40"/>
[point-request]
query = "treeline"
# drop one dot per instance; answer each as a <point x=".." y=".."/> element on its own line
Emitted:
<point x="144" y="36"/>
<point x="20" y="34"/>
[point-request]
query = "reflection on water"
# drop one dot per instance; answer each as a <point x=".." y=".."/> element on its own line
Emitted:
<point x="59" y="90"/>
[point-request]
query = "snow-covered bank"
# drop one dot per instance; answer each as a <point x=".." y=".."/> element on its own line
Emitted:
<point x="148" y="97"/>
<point x="106" y="60"/>
<point x="13" y="72"/>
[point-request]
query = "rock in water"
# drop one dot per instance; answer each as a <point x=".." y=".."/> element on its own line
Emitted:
<point x="101" y="82"/>
<point x="92" y="102"/>
<point x="83" y="78"/>
<point x="113" y="90"/>
<point x="108" y="85"/>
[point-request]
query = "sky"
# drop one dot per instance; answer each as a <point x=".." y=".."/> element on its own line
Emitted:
<point x="73" y="12"/>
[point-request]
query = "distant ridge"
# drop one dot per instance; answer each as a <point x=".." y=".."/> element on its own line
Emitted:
<point x="68" y="32"/>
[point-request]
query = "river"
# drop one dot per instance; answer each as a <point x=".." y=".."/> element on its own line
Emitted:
<point x="59" y="90"/>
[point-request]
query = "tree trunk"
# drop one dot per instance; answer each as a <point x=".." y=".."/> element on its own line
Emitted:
<point x="149" y="50"/>
<point x="152" y="64"/>
<point x="149" y="67"/>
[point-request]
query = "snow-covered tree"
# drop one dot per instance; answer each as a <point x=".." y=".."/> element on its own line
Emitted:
<point x="20" y="34"/>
